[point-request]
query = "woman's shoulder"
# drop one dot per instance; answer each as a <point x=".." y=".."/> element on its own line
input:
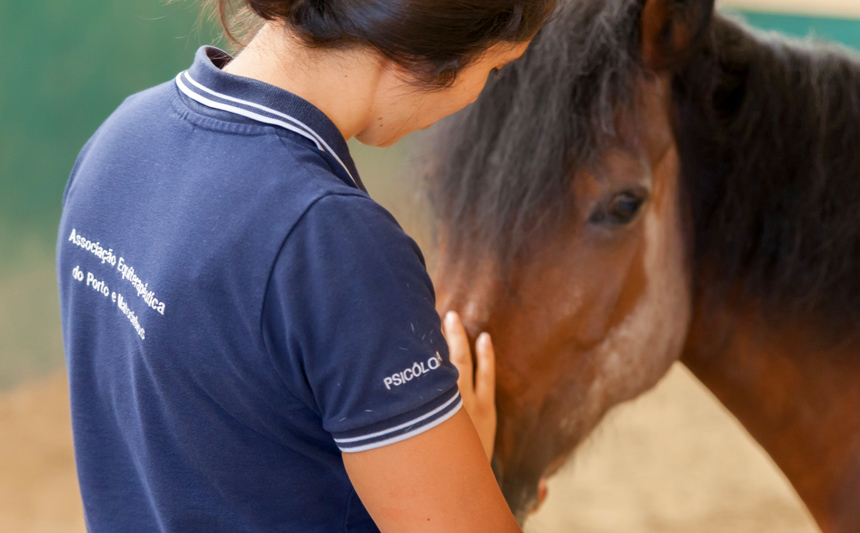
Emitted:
<point x="350" y="213"/>
<point x="347" y="231"/>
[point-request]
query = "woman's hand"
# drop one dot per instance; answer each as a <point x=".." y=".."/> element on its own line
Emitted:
<point x="477" y="385"/>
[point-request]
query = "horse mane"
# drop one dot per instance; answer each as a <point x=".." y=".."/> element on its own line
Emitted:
<point x="768" y="130"/>
<point x="500" y="169"/>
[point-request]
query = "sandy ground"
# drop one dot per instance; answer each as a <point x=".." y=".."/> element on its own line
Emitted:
<point x="38" y="488"/>
<point x="673" y="461"/>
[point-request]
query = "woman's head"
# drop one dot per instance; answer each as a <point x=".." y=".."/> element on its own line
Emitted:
<point x="431" y="58"/>
<point x="434" y="40"/>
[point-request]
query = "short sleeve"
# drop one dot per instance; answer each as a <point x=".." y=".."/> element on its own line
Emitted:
<point x="350" y="322"/>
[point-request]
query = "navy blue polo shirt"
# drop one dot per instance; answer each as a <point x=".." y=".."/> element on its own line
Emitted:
<point x="237" y="312"/>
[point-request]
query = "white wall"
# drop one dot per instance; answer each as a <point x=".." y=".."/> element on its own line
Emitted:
<point x="833" y="8"/>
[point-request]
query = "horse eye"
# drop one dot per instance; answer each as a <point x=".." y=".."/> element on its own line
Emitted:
<point x="622" y="209"/>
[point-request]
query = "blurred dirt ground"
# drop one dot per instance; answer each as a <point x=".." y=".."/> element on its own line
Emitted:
<point x="38" y="488"/>
<point x="672" y="461"/>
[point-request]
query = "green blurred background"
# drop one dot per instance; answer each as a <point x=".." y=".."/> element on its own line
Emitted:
<point x="65" y="67"/>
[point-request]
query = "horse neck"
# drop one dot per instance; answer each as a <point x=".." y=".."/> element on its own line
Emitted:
<point x="798" y="397"/>
<point x="769" y="135"/>
<point x="768" y="131"/>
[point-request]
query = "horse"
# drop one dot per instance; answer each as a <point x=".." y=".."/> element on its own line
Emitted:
<point x="656" y="181"/>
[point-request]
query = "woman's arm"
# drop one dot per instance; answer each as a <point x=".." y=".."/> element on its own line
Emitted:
<point x="438" y="481"/>
<point x="441" y="480"/>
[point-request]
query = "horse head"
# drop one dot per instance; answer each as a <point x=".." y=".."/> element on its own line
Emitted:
<point x="562" y="226"/>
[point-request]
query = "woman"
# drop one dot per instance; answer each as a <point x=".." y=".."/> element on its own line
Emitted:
<point x="251" y="341"/>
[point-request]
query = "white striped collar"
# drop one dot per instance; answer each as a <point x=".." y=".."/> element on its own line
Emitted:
<point x="208" y="85"/>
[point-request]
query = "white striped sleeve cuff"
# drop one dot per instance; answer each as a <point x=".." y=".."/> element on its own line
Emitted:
<point x="428" y="417"/>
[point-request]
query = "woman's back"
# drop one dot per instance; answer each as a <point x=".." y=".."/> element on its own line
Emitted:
<point x="198" y="382"/>
<point x="252" y="342"/>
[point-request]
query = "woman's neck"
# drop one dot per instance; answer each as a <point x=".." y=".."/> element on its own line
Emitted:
<point x="343" y="84"/>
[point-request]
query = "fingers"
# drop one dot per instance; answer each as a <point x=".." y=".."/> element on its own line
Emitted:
<point x="485" y="375"/>
<point x="461" y="353"/>
<point x="477" y="386"/>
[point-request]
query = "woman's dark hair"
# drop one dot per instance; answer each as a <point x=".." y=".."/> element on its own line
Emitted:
<point x="434" y="39"/>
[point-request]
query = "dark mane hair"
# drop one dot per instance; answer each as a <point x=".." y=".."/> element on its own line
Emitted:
<point x="501" y="167"/>
<point x="768" y="131"/>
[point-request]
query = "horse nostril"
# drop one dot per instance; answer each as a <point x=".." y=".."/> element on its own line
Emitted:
<point x="542" y="492"/>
